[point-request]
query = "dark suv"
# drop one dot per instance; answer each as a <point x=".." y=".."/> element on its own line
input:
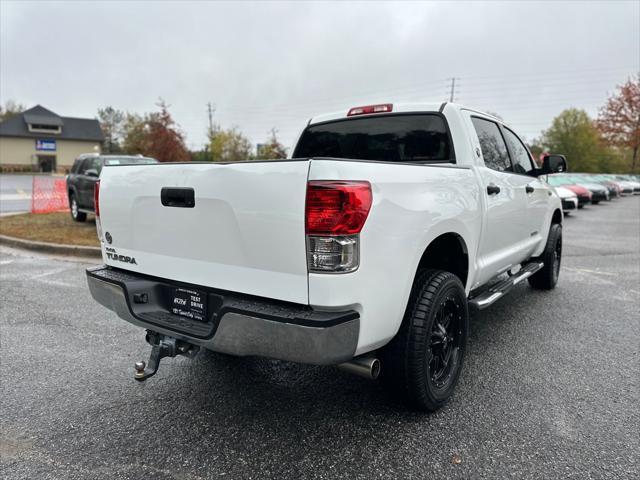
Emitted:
<point x="84" y="175"/>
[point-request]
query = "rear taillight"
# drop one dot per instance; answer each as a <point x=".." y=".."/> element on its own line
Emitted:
<point x="96" y="198"/>
<point x="335" y="214"/>
<point x="381" y="108"/>
<point x="337" y="207"/>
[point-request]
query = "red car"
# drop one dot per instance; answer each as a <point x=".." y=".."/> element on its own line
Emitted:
<point x="584" y="195"/>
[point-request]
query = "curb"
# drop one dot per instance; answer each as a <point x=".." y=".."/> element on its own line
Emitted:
<point x="75" y="250"/>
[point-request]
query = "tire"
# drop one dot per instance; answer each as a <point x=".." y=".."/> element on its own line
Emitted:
<point x="76" y="214"/>
<point x="581" y="206"/>
<point x="595" y="202"/>
<point x="413" y="363"/>
<point x="547" y="277"/>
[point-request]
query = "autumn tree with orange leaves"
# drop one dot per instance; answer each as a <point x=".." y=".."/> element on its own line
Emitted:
<point x="165" y="142"/>
<point x="619" y="120"/>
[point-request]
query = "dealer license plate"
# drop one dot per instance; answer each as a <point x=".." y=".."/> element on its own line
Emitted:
<point x="189" y="304"/>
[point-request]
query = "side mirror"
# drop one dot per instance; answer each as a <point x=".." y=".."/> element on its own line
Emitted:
<point x="554" y="164"/>
<point x="92" y="172"/>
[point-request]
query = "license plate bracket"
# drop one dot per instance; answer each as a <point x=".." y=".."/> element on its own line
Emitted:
<point x="189" y="303"/>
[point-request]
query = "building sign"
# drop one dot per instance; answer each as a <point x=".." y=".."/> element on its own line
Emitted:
<point x="46" y="145"/>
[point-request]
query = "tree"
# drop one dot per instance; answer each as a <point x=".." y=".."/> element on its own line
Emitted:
<point x="537" y="148"/>
<point x="10" y="109"/>
<point x="164" y="140"/>
<point x="154" y="135"/>
<point x="135" y="141"/>
<point x="272" y="149"/>
<point x="574" y="135"/>
<point x="112" y="125"/>
<point x="200" y="155"/>
<point x="229" y="145"/>
<point x="619" y="120"/>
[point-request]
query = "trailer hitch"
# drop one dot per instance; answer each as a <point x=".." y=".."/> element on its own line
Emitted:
<point x="162" y="346"/>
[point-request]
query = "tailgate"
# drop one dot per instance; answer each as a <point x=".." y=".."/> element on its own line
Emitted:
<point x="245" y="231"/>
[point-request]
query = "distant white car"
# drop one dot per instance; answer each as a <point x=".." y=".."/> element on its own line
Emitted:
<point x="569" y="199"/>
<point x="629" y="182"/>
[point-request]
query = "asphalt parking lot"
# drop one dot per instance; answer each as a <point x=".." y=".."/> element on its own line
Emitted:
<point x="15" y="193"/>
<point x="550" y="388"/>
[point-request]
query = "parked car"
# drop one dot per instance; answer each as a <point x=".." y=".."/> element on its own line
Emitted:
<point x="584" y="194"/>
<point x="366" y="250"/>
<point x="84" y="175"/>
<point x="614" y="188"/>
<point x="630" y="181"/>
<point x="599" y="193"/>
<point x="569" y="199"/>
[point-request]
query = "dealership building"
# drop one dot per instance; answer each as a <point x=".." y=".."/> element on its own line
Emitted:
<point x="39" y="140"/>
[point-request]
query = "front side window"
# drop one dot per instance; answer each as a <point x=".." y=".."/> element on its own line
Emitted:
<point x="494" y="150"/>
<point x="521" y="159"/>
<point x="421" y="138"/>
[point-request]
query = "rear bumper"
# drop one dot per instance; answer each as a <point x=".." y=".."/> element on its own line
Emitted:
<point x="236" y="324"/>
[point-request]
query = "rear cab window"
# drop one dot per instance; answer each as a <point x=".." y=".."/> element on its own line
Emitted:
<point x="404" y="138"/>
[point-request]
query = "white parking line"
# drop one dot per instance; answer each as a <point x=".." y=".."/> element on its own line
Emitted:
<point x="7" y="197"/>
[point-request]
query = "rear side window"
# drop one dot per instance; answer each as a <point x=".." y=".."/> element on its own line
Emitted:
<point x="388" y="138"/>
<point x="76" y="165"/>
<point x="93" y="163"/>
<point x="84" y="165"/>
<point x="494" y="150"/>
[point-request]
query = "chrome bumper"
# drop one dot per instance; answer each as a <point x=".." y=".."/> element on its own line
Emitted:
<point x="331" y="339"/>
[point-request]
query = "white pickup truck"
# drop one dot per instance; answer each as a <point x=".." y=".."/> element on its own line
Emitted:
<point x="365" y="250"/>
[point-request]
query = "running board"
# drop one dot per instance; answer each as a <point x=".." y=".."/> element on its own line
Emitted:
<point x="497" y="291"/>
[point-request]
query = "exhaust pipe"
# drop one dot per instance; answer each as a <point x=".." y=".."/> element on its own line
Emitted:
<point x="367" y="367"/>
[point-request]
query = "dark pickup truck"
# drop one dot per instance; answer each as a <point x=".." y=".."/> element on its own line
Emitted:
<point x="84" y="175"/>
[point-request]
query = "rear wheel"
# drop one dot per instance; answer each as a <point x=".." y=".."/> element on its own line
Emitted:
<point x="547" y="277"/>
<point x="424" y="360"/>
<point x="76" y="214"/>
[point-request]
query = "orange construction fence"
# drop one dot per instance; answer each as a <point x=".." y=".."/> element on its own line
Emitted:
<point x="49" y="194"/>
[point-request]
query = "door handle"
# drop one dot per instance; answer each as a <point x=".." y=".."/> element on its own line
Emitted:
<point x="178" y="197"/>
<point x="529" y="189"/>
<point x="493" y="189"/>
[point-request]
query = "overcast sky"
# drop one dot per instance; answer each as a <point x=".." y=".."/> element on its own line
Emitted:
<point x="276" y="64"/>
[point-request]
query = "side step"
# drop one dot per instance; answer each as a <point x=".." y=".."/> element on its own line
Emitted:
<point x="498" y="290"/>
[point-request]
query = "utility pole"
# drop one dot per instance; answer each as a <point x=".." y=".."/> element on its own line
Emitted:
<point x="210" y="109"/>
<point x="452" y="89"/>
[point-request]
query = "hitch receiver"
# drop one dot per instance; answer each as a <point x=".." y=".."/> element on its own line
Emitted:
<point x="162" y="346"/>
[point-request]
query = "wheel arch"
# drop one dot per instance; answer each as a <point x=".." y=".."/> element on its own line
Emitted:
<point x="449" y="252"/>
<point x="71" y="189"/>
